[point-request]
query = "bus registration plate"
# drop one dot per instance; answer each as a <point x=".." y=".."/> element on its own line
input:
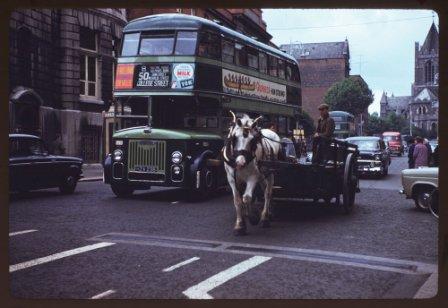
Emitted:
<point x="153" y="76"/>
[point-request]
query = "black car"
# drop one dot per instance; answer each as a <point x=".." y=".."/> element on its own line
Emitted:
<point x="31" y="167"/>
<point x="374" y="157"/>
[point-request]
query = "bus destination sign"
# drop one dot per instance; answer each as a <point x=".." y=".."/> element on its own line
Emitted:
<point x="153" y="76"/>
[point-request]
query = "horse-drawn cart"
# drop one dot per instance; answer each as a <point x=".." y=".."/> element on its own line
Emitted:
<point x="303" y="180"/>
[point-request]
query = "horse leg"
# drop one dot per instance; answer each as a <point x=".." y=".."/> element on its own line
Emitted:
<point x="269" y="182"/>
<point x="240" y="225"/>
<point x="248" y="193"/>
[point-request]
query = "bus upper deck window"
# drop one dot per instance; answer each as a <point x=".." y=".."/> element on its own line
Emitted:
<point x="157" y="45"/>
<point x="272" y="66"/>
<point x="252" y="58"/>
<point x="228" y="51"/>
<point x="209" y="45"/>
<point x="186" y="43"/>
<point x="130" y="44"/>
<point x="288" y="72"/>
<point x="240" y="55"/>
<point x="263" y="62"/>
<point x="281" y="68"/>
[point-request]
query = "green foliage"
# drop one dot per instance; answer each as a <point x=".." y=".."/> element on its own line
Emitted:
<point x="374" y="125"/>
<point x="350" y="95"/>
<point x="306" y="122"/>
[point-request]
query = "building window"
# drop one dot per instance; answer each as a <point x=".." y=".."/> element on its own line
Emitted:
<point x="88" y="63"/>
<point x="429" y="72"/>
<point x="263" y="60"/>
<point x="228" y="51"/>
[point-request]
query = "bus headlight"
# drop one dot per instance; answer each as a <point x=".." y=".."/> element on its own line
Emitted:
<point x="118" y="155"/>
<point x="176" y="157"/>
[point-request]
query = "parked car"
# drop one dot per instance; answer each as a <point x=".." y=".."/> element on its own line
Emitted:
<point x="419" y="184"/>
<point x="374" y="157"/>
<point x="394" y="142"/>
<point x="31" y="167"/>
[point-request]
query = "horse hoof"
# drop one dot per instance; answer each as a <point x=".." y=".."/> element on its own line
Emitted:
<point x="239" y="231"/>
<point x="265" y="223"/>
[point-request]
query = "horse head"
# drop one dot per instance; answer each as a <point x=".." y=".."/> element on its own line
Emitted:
<point x="244" y="136"/>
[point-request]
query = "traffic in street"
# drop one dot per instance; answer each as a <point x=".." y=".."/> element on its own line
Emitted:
<point x="158" y="244"/>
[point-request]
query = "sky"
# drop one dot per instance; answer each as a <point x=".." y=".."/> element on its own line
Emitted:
<point x="381" y="42"/>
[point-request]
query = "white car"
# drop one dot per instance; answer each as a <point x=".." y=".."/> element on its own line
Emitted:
<point x="419" y="184"/>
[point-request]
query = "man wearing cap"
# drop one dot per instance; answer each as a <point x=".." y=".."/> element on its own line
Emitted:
<point x="323" y="135"/>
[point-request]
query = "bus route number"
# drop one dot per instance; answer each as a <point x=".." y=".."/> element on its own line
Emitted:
<point x="157" y="76"/>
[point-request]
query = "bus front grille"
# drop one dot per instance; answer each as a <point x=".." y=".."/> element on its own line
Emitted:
<point x="147" y="157"/>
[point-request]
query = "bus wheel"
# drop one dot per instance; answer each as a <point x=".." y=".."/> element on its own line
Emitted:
<point x="122" y="191"/>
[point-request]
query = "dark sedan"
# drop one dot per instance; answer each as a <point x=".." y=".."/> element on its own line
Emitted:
<point x="374" y="157"/>
<point x="31" y="167"/>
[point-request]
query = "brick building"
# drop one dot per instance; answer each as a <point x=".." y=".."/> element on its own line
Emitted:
<point x="61" y="64"/>
<point x="321" y="65"/>
<point x="247" y="21"/>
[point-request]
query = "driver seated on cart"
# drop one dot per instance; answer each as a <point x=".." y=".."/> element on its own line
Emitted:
<point x="322" y="137"/>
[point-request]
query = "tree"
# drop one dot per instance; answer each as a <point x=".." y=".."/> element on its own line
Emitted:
<point x="375" y="125"/>
<point x="351" y="95"/>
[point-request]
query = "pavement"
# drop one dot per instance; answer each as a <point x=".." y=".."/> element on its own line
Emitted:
<point x="157" y="244"/>
<point x="92" y="172"/>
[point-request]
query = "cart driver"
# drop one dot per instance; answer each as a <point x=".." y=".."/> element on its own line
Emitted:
<point x="323" y="135"/>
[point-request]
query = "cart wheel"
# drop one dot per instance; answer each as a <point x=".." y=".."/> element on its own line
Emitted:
<point x="349" y="184"/>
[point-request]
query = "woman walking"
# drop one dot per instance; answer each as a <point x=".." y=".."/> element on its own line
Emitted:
<point x="420" y="154"/>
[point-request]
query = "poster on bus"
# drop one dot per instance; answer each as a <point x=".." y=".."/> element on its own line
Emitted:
<point x="183" y="76"/>
<point x="244" y="85"/>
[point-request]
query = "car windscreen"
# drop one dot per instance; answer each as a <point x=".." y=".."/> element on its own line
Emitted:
<point x="366" y="145"/>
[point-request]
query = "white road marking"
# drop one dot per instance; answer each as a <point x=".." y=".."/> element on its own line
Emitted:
<point x="21" y="232"/>
<point x="104" y="294"/>
<point x="172" y="268"/>
<point x="429" y="288"/>
<point x="57" y="256"/>
<point x="200" y="291"/>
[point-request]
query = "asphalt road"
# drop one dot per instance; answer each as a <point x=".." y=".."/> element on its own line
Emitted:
<point x="158" y="245"/>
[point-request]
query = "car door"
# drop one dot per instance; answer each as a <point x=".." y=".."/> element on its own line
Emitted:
<point x="42" y="165"/>
<point x="22" y="175"/>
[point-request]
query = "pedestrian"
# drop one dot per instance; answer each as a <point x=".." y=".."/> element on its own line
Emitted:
<point x="420" y="153"/>
<point x="435" y="156"/>
<point x="428" y="146"/>
<point x="411" y="153"/>
<point x="323" y="135"/>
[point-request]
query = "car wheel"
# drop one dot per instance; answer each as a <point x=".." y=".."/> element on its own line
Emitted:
<point x="422" y="198"/>
<point x="122" y="191"/>
<point x="68" y="184"/>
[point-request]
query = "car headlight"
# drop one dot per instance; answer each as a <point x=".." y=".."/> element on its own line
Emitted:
<point x="118" y="155"/>
<point x="176" y="157"/>
<point x="377" y="157"/>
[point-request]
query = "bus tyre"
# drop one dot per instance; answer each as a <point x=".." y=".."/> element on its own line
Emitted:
<point x="122" y="191"/>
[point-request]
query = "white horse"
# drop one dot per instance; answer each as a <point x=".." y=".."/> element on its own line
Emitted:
<point x="246" y="145"/>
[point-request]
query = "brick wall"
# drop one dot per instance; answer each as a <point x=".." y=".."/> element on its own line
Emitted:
<point x="317" y="76"/>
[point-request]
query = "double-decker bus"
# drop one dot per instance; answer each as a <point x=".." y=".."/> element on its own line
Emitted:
<point x="182" y="74"/>
<point x="344" y="124"/>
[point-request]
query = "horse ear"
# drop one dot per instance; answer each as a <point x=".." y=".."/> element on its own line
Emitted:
<point x="254" y="124"/>
<point x="239" y="123"/>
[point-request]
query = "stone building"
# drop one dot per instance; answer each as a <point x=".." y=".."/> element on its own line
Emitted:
<point x="424" y="107"/>
<point x="321" y="65"/>
<point x="396" y="104"/>
<point x="246" y="21"/>
<point x="61" y="64"/>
